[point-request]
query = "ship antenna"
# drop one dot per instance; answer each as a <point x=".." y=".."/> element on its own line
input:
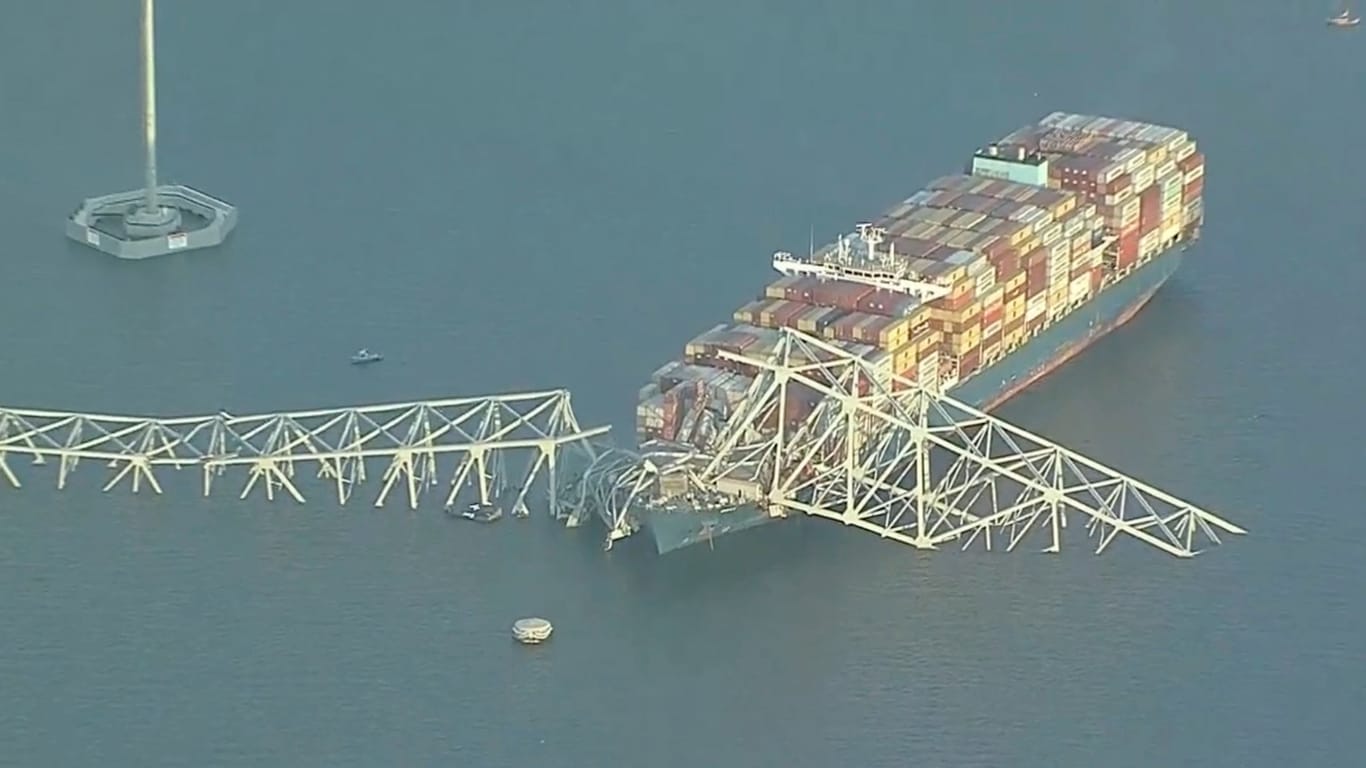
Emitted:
<point x="870" y="236"/>
<point x="811" y="248"/>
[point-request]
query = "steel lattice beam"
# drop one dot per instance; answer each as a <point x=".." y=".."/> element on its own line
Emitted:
<point x="479" y="433"/>
<point x="906" y="464"/>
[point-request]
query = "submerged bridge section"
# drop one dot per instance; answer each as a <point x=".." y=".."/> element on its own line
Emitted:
<point x="898" y="461"/>
<point x="412" y="446"/>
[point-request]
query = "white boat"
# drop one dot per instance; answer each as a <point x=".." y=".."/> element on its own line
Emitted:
<point x="483" y="513"/>
<point x="365" y="356"/>
<point x="1344" y="19"/>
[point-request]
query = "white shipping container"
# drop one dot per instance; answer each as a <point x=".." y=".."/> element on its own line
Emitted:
<point x="1193" y="174"/>
<point x="1036" y="307"/>
<point x="1052" y="233"/>
<point x="986" y="281"/>
<point x="1171" y="231"/>
<point x="1183" y="150"/>
<point x="1131" y="208"/>
<point x="1136" y="161"/>
<point x="1144" y="178"/>
<point x="1080" y="289"/>
<point x="928" y="369"/>
<point x="1059" y="250"/>
<point x="1074" y="225"/>
<point x="991" y="330"/>
<point x="1166" y="169"/>
<point x="1112" y="172"/>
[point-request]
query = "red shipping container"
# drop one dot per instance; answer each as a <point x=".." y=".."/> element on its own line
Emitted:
<point x="1116" y="186"/>
<point x="1150" y="207"/>
<point x="969" y="362"/>
<point x="884" y="303"/>
<point x="1036" y="279"/>
<point x="802" y="289"/>
<point x="992" y="314"/>
<point x="1193" y="190"/>
<point x="1126" y="251"/>
<point x="838" y="293"/>
<point x="1191" y="162"/>
<point x="1004" y="275"/>
<point x="1036" y="257"/>
<point x="786" y="316"/>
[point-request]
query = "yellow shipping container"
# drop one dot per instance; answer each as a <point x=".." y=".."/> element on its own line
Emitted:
<point x="752" y="313"/>
<point x="1057" y="297"/>
<point x="1065" y="206"/>
<point x="1021" y="236"/>
<point x="1015" y="308"/>
<point x="961" y="344"/>
<point x="905" y="357"/>
<point x="1014" y="338"/>
<point x="894" y="335"/>
<point x="1014" y="283"/>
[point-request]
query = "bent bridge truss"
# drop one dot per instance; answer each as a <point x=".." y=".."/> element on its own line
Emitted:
<point x="411" y="441"/>
<point x="900" y="462"/>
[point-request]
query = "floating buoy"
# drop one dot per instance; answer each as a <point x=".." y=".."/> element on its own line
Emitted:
<point x="531" y="630"/>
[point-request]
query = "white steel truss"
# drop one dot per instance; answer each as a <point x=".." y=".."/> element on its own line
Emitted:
<point x="905" y="463"/>
<point x="411" y="439"/>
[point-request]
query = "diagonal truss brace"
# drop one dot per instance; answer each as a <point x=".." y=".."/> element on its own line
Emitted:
<point x="888" y="456"/>
<point x="414" y="439"/>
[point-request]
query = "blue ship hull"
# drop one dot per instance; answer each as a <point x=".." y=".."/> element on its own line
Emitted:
<point x="988" y="388"/>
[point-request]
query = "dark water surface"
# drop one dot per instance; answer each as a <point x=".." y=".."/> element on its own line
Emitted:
<point x="504" y="196"/>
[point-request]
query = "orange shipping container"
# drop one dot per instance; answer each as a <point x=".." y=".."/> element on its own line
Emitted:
<point x="1150" y="208"/>
<point x="1193" y="190"/>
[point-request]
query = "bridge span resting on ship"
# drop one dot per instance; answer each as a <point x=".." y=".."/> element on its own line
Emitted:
<point x="902" y="462"/>
<point x="886" y="457"/>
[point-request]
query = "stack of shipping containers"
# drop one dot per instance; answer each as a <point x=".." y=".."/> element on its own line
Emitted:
<point x="1108" y="195"/>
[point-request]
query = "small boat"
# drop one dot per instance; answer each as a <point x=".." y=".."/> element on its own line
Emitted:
<point x="482" y="513"/>
<point x="1344" y="19"/>
<point x="365" y="356"/>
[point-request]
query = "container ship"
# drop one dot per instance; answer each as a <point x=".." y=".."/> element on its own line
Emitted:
<point x="977" y="285"/>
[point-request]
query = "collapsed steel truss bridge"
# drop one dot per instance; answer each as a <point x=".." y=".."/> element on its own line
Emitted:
<point x="899" y="461"/>
<point x="411" y="441"/>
